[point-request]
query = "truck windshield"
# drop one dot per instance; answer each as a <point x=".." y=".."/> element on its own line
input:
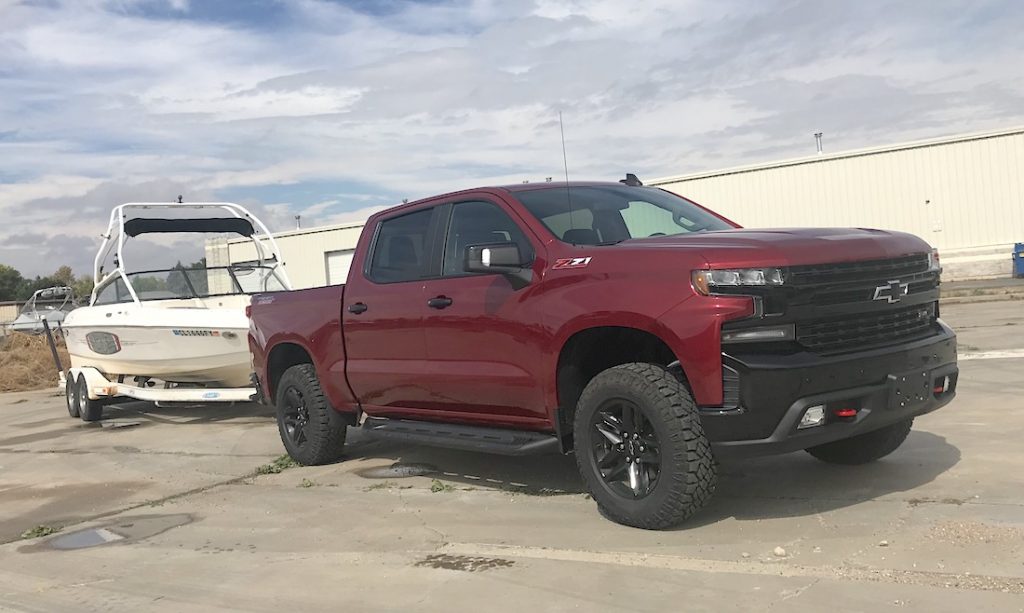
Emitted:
<point x="602" y="215"/>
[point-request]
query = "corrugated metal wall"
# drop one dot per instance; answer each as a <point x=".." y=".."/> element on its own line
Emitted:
<point x="956" y="193"/>
<point x="9" y="311"/>
<point x="303" y="251"/>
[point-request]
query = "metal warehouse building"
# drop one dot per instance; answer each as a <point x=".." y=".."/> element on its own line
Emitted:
<point x="963" y="194"/>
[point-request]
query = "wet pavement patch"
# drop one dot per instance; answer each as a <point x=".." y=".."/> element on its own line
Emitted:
<point x="124" y="530"/>
<point x="397" y="470"/>
<point x="469" y="564"/>
<point x="85" y="538"/>
<point x="119" y="423"/>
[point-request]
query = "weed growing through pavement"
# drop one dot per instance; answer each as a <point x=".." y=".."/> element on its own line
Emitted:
<point x="280" y="464"/>
<point x="39" y="531"/>
<point x="437" y="486"/>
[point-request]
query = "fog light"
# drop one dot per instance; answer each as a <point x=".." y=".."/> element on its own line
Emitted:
<point x="814" y="416"/>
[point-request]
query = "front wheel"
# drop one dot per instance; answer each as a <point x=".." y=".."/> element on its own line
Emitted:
<point x="866" y="447"/>
<point x="310" y="429"/>
<point x="641" y="448"/>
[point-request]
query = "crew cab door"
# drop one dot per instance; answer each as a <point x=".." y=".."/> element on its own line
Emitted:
<point x="483" y="340"/>
<point x="383" y="311"/>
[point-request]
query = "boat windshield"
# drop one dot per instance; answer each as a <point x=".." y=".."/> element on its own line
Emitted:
<point x="184" y="283"/>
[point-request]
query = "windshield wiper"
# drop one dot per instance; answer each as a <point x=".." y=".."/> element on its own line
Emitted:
<point x="606" y="243"/>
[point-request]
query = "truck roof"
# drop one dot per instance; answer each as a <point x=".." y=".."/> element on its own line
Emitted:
<point x="513" y="188"/>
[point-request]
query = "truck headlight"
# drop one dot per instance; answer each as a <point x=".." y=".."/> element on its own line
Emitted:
<point x="709" y="282"/>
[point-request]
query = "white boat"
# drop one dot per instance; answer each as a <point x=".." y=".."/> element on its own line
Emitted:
<point x="180" y="326"/>
<point x="52" y="304"/>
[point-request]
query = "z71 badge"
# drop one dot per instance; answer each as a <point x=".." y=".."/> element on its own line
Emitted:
<point x="571" y="263"/>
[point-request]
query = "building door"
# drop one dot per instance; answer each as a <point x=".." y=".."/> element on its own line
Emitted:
<point x="337" y="264"/>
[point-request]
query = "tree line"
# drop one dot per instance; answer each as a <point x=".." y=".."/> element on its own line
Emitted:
<point x="16" y="287"/>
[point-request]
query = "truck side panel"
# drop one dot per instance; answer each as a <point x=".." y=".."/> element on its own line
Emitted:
<point x="308" y="319"/>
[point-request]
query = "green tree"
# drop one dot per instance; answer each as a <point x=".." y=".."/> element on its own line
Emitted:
<point x="83" y="287"/>
<point x="10" y="282"/>
<point x="64" y="276"/>
<point x="29" y="287"/>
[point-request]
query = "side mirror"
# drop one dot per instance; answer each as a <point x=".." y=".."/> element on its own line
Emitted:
<point x="494" y="257"/>
<point x="501" y="258"/>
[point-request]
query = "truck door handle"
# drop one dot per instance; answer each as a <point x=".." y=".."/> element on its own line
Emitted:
<point x="357" y="308"/>
<point x="440" y="302"/>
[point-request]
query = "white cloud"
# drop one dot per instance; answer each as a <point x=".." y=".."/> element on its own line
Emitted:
<point x="333" y="112"/>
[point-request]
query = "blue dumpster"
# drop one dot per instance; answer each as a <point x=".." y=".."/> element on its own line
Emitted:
<point x="1018" y="260"/>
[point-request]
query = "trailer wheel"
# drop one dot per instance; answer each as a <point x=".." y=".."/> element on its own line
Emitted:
<point x="312" y="431"/>
<point x="641" y="448"/>
<point x="71" y="395"/>
<point x="88" y="410"/>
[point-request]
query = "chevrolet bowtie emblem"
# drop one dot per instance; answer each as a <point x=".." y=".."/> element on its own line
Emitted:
<point x="892" y="291"/>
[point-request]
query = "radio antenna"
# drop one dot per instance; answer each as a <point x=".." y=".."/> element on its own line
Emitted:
<point x="565" y="165"/>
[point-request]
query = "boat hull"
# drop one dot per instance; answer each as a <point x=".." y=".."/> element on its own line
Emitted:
<point x="205" y="346"/>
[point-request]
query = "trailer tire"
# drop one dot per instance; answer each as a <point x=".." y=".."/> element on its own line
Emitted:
<point x="88" y="410"/>
<point x="641" y="448"/>
<point x="313" y="433"/>
<point x="71" y="395"/>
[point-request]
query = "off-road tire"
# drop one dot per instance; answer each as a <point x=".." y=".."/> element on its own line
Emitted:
<point x="71" y="395"/>
<point x="866" y="447"/>
<point x="688" y="472"/>
<point x="88" y="410"/>
<point x="324" y="429"/>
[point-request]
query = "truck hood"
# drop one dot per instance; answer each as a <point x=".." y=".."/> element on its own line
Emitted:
<point x="788" y="246"/>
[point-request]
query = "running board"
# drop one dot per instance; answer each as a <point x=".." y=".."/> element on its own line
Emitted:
<point x="501" y="441"/>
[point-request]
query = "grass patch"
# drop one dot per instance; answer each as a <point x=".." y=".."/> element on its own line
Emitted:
<point x="279" y="465"/>
<point x="438" y="486"/>
<point x="39" y="532"/>
<point x="386" y="485"/>
<point x="308" y="483"/>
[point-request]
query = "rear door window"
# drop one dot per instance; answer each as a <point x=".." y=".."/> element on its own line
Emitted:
<point x="402" y="250"/>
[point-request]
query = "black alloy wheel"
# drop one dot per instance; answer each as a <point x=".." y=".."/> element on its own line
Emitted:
<point x="626" y="449"/>
<point x="295" y="417"/>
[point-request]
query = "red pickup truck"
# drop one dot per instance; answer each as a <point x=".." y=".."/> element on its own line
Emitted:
<point x="628" y="325"/>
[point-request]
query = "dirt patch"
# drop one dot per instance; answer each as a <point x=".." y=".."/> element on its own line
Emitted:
<point x="26" y="363"/>
<point x="975" y="533"/>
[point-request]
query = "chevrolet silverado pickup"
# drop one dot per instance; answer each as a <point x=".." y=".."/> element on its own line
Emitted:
<point x="625" y="324"/>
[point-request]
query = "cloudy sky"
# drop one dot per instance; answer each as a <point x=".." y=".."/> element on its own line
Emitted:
<point x="330" y="109"/>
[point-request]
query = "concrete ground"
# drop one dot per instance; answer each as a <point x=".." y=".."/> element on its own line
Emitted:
<point x="184" y="525"/>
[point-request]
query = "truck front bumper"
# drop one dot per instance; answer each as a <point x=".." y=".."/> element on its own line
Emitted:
<point x="883" y="386"/>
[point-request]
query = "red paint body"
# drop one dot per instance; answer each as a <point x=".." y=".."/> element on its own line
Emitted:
<point x="491" y="357"/>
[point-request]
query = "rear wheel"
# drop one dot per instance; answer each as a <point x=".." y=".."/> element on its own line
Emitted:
<point x="641" y="448"/>
<point x="311" y="430"/>
<point x="88" y="410"/>
<point x="71" y="395"/>
<point x="864" y="448"/>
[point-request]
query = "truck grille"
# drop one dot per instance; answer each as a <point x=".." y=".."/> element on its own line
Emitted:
<point x="862" y="331"/>
<point x="849" y="272"/>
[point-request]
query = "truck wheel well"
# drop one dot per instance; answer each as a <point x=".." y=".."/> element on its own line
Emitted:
<point x="283" y="357"/>
<point x="594" y="350"/>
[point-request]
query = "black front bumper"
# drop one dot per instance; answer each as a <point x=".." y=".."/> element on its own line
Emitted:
<point x="885" y="386"/>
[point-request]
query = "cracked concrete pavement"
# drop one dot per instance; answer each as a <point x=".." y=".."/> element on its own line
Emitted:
<point x="937" y="526"/>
